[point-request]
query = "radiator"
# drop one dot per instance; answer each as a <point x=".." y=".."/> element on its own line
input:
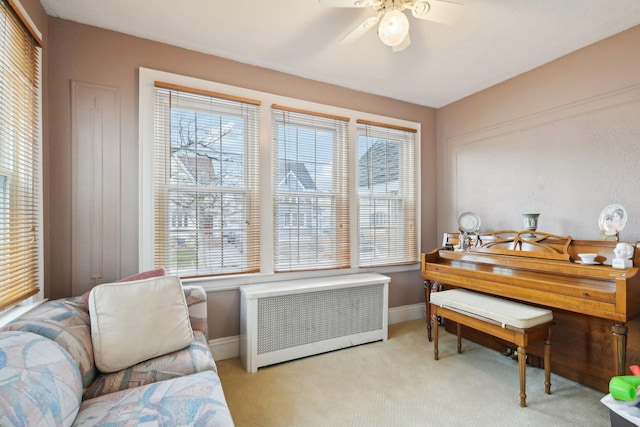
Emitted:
<point x="287" y="320"/>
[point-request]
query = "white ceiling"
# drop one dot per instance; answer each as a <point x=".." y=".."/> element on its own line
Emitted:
<point x="493" y="41"/>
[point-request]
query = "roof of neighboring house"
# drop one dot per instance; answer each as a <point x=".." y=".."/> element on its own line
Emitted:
<point x="379" y="164"/>
<point x="299" y="171"/>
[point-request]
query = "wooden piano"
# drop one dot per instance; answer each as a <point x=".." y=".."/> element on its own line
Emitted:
<point x="592" y="304"/>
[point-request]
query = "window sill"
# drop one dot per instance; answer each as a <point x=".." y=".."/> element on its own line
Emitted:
<point x="16" y="311"/>
<point x="233" y="282"/>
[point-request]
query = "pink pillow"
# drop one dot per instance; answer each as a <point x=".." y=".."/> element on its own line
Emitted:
<point x="157" y="272"/>
<point x="144" y="275"/>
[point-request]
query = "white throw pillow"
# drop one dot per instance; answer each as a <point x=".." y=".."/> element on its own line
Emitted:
<point x="135" y="321"/>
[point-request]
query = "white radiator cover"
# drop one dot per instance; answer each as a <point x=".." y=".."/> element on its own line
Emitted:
<point x="286" y="320"/>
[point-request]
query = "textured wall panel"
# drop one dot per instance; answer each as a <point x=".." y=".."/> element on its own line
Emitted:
<point x="95" y="185"/>
<point x="566" y="164"/>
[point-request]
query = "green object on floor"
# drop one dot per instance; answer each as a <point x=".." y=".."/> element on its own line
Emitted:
<point x="624" y="387"/>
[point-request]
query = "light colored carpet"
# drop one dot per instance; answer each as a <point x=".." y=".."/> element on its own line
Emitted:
<point x="397" y="383"/>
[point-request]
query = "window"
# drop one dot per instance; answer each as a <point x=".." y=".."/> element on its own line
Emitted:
<point x="206" y="184"/>
<point x="386" y="194"/>
<point x="237" y="181"/>
<point x="20" y="173"/>
<point x="311" y="209"/>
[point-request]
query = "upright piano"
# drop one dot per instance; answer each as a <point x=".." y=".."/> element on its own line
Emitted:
<point x="592" y="304"/>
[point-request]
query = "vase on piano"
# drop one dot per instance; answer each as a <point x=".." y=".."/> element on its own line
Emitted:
<point x="530" y="221"/>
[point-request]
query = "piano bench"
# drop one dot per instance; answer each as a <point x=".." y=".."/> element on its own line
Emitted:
<point x="514" y="322"/>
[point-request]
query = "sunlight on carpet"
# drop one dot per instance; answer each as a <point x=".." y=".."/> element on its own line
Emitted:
<point x="397" y="383"/>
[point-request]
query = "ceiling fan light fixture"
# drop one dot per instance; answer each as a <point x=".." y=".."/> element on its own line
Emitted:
<point x="393" y="28"/>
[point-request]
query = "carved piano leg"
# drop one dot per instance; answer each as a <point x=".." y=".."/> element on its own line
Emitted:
<point x="427" y="308"/>
<point x="459" y="332"/>
<point x="620" y="347"/>
<point x="522" y="370"/>
<point x="432" y="319"/>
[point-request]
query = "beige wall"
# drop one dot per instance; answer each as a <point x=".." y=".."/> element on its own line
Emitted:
<point x="91" y="55"/>
<point x="562" y="140"/>
<point x="545" y="135"/>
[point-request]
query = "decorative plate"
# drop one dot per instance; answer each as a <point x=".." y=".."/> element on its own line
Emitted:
<point x="612" y="220"/>
<point x="469" y="222"/>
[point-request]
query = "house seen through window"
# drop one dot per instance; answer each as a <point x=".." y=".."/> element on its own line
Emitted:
<point x="386" y="195"/>
<point x="250" y="182"/>
<point x="311" y="209"/>
<point x="206" y="184"/>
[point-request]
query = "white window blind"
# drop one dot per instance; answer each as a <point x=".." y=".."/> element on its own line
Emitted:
<point x="19" y="156"/>
<point x="207" y="204"/>
<point x="310" y="178"/>
<point x="386" y="195"/>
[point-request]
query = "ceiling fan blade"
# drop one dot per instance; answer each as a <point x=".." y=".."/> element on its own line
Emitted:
<point x="350" y="3"/>
<point x="443" y="12"/>
<point x="402" y="46"/>
<point x="357" y="32"/>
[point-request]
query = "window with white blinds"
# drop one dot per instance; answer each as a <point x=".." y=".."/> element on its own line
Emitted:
<point x="20" y="168"/>
<point x="237" y="181"/>
<point x="310" y="190"/>
<point x="207" y="204"/>
<point x="387" y="195"/>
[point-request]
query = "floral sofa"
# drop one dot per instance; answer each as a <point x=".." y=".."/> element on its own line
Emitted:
<point x="48" y="375"/>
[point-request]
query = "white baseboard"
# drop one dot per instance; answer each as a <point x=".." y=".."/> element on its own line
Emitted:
<point x="229" y="347"/>
<point x="225" y="348"/>
<point x="406" y="313"/>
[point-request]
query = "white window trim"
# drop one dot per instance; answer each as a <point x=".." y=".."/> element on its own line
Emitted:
<point x="39" y="297"/>
<point x="147" y="77"/>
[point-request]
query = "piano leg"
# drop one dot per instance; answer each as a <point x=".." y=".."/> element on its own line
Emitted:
<point x="427" y="308"/>
<point x="522" y="372"/>
<point x="547" y="363"/>
<point x="432" y="321"/>
<point x="435" y="339"/>
<point x="620" y="347"/>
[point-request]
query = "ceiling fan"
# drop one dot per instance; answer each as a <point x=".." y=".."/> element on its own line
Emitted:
<point x="393" y="29"/>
